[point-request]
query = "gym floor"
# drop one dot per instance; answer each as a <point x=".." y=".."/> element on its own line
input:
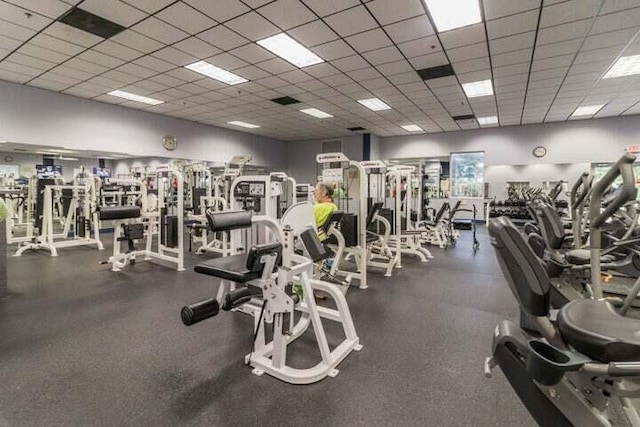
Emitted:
<point x="81" y="345"/>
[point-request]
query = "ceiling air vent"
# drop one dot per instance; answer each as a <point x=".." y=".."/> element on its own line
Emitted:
<point x="465" y="117"/>
<point x="285" y="100"/>
<point x="85" y="21"/>
<point x="356" y="129"/>
<point x="436" y="72"/>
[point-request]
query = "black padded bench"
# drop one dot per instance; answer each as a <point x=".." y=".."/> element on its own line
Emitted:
<point x="110" y="213"/>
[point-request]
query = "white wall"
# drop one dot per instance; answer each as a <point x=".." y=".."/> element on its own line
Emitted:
<point x="37" y="116"/>
<point x="301" y="156"/>
<point x="579" y="141"/>
<point x="28" y="161"/>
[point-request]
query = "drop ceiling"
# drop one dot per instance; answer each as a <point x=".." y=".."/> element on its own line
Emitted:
<point x="544" y="58"/>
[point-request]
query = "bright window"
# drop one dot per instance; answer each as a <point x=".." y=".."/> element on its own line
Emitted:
<point x="467" y="174"/>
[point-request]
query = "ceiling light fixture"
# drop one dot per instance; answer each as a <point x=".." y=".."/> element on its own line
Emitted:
<point x="625" y="66"/>
<point x="290" y="50"/>
<point x="374" y="104"/>
<point x="316" y="113"/>
<point x="134" y="97"/>
<point x="412" y="128"/>
<point x="243" y="124"/>
<point x="587" y="110"/>
<point x="448" y="14"/>
<point x="490" y="120"/>
<point x="73" y="159"/>
<point x="216" y="73"/>
<point x="479" y="88"/>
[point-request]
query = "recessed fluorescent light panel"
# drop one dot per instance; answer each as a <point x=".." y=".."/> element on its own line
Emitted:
<point x="448" y="14"/>
<point x="243" y="124"/>
<point x="316" y="113"/>
<point x="479" y="88"/>
<point x="587" y="110"/>
<point x="412" y="128"/>
<point x="290" y="50"/>
<point x="374" y="104"/>
<point x="625" y="66"/>
<point x="216" y="73"/>
<point x="134" y="97"/>
<point x="490" y="120"/>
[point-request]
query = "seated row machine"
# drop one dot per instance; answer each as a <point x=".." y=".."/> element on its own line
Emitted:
<point x="265" y="282"/>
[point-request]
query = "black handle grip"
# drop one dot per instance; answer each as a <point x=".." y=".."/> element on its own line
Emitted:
<point x="580" y="189"/>
<point x="238" y="297"/>
<point x="623" y="168"/>
<point x="194" y="313"/>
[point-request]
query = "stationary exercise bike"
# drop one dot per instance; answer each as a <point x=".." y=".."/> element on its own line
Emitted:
<point x="582" y="368"/>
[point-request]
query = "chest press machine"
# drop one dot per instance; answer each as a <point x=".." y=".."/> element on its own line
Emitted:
<point x="160" y="223"/>
<point x="261" y="283"/>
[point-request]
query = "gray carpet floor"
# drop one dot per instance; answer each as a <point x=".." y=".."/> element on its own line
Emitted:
<point x="83" y="346"/>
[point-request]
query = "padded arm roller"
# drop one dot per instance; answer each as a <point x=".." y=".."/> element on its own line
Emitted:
<point x="223" y="221"/>
<point x="194" y="313"/>
<point x="238" y="297"/>
<point x="119" y="212"/>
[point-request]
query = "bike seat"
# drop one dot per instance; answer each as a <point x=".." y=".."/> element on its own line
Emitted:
<point x="241" y="268"/>
<point x="578" y="256"/>
<point x="595" y="329"/>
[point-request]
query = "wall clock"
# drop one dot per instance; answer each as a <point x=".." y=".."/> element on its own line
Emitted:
<point x="169" y="142"/>
<point x="8" y="159"/>
<point x="539" y="151"/>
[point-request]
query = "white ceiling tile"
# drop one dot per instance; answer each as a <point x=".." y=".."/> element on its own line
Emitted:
<point x="252" y="53"/>
<point x="322" y="70"/>
<point x="155" y="64"/>
<point x="614" y="38"/>
<point x="16" y="32"/>
<point x="369" y="40"/>
<point x="30" y="61"/>
<point x="563" y="32"/>
<point x="88" y="67"/>
<point x="25" y="70"/>
<point x="510" y="58"/>
<point x="223" y="38"/>
<point x="175" y="56"/>
<point x="510" y="70"/>
<point x="351" y="21"/>
<point x="364" y="74"/>
<point x="197" y="47"/>
<point x="616" y="21"/>
<point x="219" y="10"/>
<point x="472" y="65"/>
<point x="605" y="54"/>
<point x="19" y="16"/>
<point x="396" y="67"/>
<point x="511" y="43"/>
<point x="227" y="61"/>
<point x="383" y="56"/>
<point x="328" y="7"/>
<point x="72" y="72"/>
<point x="513" y="24"/>
<point x="466" y="53"/>
<point x="617" y="5"/>
<point x="42" y="53"/>
<point x="295" y="76"/>
<point x="287" y="13"/>
<point x="556" y="61"/>
<point x="186" y="18"/>
<point x="420" y="47"/>
<point x="159" y="30"/>
<point x="137" y="41"/>
<point x="428" y="61"/>
<point x="313" y="33"/>
<point x="557" y="49"/>
<point x="350" y="63"/>
<point x="184" y="74"/>
<point x="276" y="66"/>
<point x="252" y="26"/>
<point x="136" y="70"/>
<point x="333" y="50"/>
<point x="73" y="35"/>
<point x="572" y="10"/>
<point x="117" y="50"/>
<point x="463" y="36"/>
<point x="100" y="59"/>
<point x="49" y="8"/>
<point x="149" y="6"/>
<point x="390" y="11"/>
<point x="8" y="43"/>
<point x="48" y="84"/>
<point x="410" y="29"/>
<point x="114" y="10"/>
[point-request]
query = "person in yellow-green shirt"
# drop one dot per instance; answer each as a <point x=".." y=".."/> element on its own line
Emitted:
<point x="324" y="206"/>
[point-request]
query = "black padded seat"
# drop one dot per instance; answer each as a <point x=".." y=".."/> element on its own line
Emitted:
<point x="595" y="329"/>
<point x="578" y="256"/>
<point x="232" y="268"/>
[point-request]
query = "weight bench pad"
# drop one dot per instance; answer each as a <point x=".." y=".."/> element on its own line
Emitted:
<point x="108" y="213"/>
<point x="223" y="221"/>
<point x="232" y="268"/>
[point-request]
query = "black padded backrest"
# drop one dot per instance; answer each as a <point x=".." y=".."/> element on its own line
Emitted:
<point x="312" y="244"/>
<point x="550" y="225"/>
<point x="223" y="221"/>
<point x="254" y="257"/>
<point x="335" y="218"/>
<point x="375" y="209"/>
<point x="525" y="275"/>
